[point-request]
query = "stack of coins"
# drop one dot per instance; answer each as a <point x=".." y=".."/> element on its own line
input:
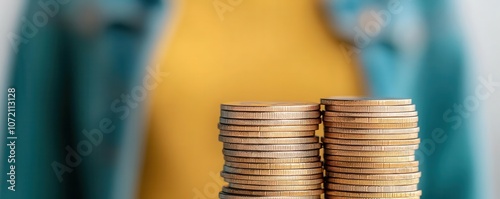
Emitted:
<point x="369" y="148"/>
<point x="270" y="150"/>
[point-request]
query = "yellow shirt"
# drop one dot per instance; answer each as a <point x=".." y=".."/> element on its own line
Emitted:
<point x="217" y="52"/>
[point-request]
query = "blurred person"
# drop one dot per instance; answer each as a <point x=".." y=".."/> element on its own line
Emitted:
<point x="416" y="49"/>
<point x="72" y="60"/>
<point x="92" y="53"/>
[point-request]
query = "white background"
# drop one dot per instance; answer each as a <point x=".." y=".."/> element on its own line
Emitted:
<point x="481" y="23"/>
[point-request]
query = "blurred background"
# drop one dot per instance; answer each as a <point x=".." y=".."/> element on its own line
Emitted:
<point x="120" y="99"/>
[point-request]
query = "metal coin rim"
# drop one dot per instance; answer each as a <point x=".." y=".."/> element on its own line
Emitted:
<point x="372" y="109"/>
<point x="268" y="128"/>
<point x="370" y="115"/>
<point x="270" y="115"/>
<point x="370" y="142"/>
<point x="272" y="193"/>
<point x="381" y="177"/>
<point x="364" y="101"/>
<point x="268" y="107"/>
<point x="294" y="122"/>
<point x="372" y="131"/>
<point x="272" y="160"/>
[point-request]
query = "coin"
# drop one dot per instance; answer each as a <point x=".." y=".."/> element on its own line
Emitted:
<point x="267" y="134"/>
<point x="276" y="154"/>
<point x="223" y="195"/>
<point x="270" y="115"/>
<point x="376" y="189"/>
<point x="274" y="166"/>
<point x="371" y="148"/>
<point x="389" y="120"/>
<point x="259" y="147"/>
<point x="374" y="165"/>
<point x="270" y="106"/>
<point x="375" y="195"/>
<point x="361" y="114"/>
<point x="275" y="182"/>
<point x="371" y="136"/>
<point x="372" y="131"/>
<point x="340" y="197"/>
<point x="239" y="140"/>
<point x="268" y="172"/>
<point x="401" y="176"/>
<point x="371" y="109"/>
<point x="275" y="187"/>
<point x="270" y="122"/>
<point x="363" y="101"/>
<point x="226" y="175"/>
<point x="369" y="153"/>
<point x="268" y="128"/>
<point x="370" y="159"/>
<point x="372" y="171"/>
<point x="374" y="182"/>
<point x="370" y="142"/>
<point x="272" y="160"/>
<point x="272" y="193"/>
<point x="371" y="125"/>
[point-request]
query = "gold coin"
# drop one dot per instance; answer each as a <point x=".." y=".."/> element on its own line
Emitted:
<point x="313" y="192"/>
<point x="260" y="147"/>
<point x="270" y="115"/>
<point x="371" y="125"/>
<point x="371" y="136"/>
<point x="361" y="114"/>
<point x="264" y="134"/>
<point x="275" y="182"/>
<point x="363" y="101"/>
<point x="372" y="165"/>
<point x="270" y="106"/>
<point x="374" y="182"/>
<point x="223" y="195"/>
<point x="375" y="195"/>
<point x="239" y="140"/>
<point x="369" y="153"/>
<point x="373" y="131"/>
<point x="370" y="142"/>
<point x="275" y="187"/>
<point x="370" y="159"/>
<point x="268" y="172"/>
<point x="226" y="175"/>
<point x="272" y="160"/>
<point x="270" y="122"/>
<point x="306" y="165"/>
<point x="371" y="148"/>
<point x="372" y="189"/>
<point x="340" y="197"/>
<point x="268" y="128"/>
<point x="372" y="171"/>
<point x="402" y="176"/>
<point x="371" y="109"/>
<point x="389" y="120"/>
<point x="275" y="154"/>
